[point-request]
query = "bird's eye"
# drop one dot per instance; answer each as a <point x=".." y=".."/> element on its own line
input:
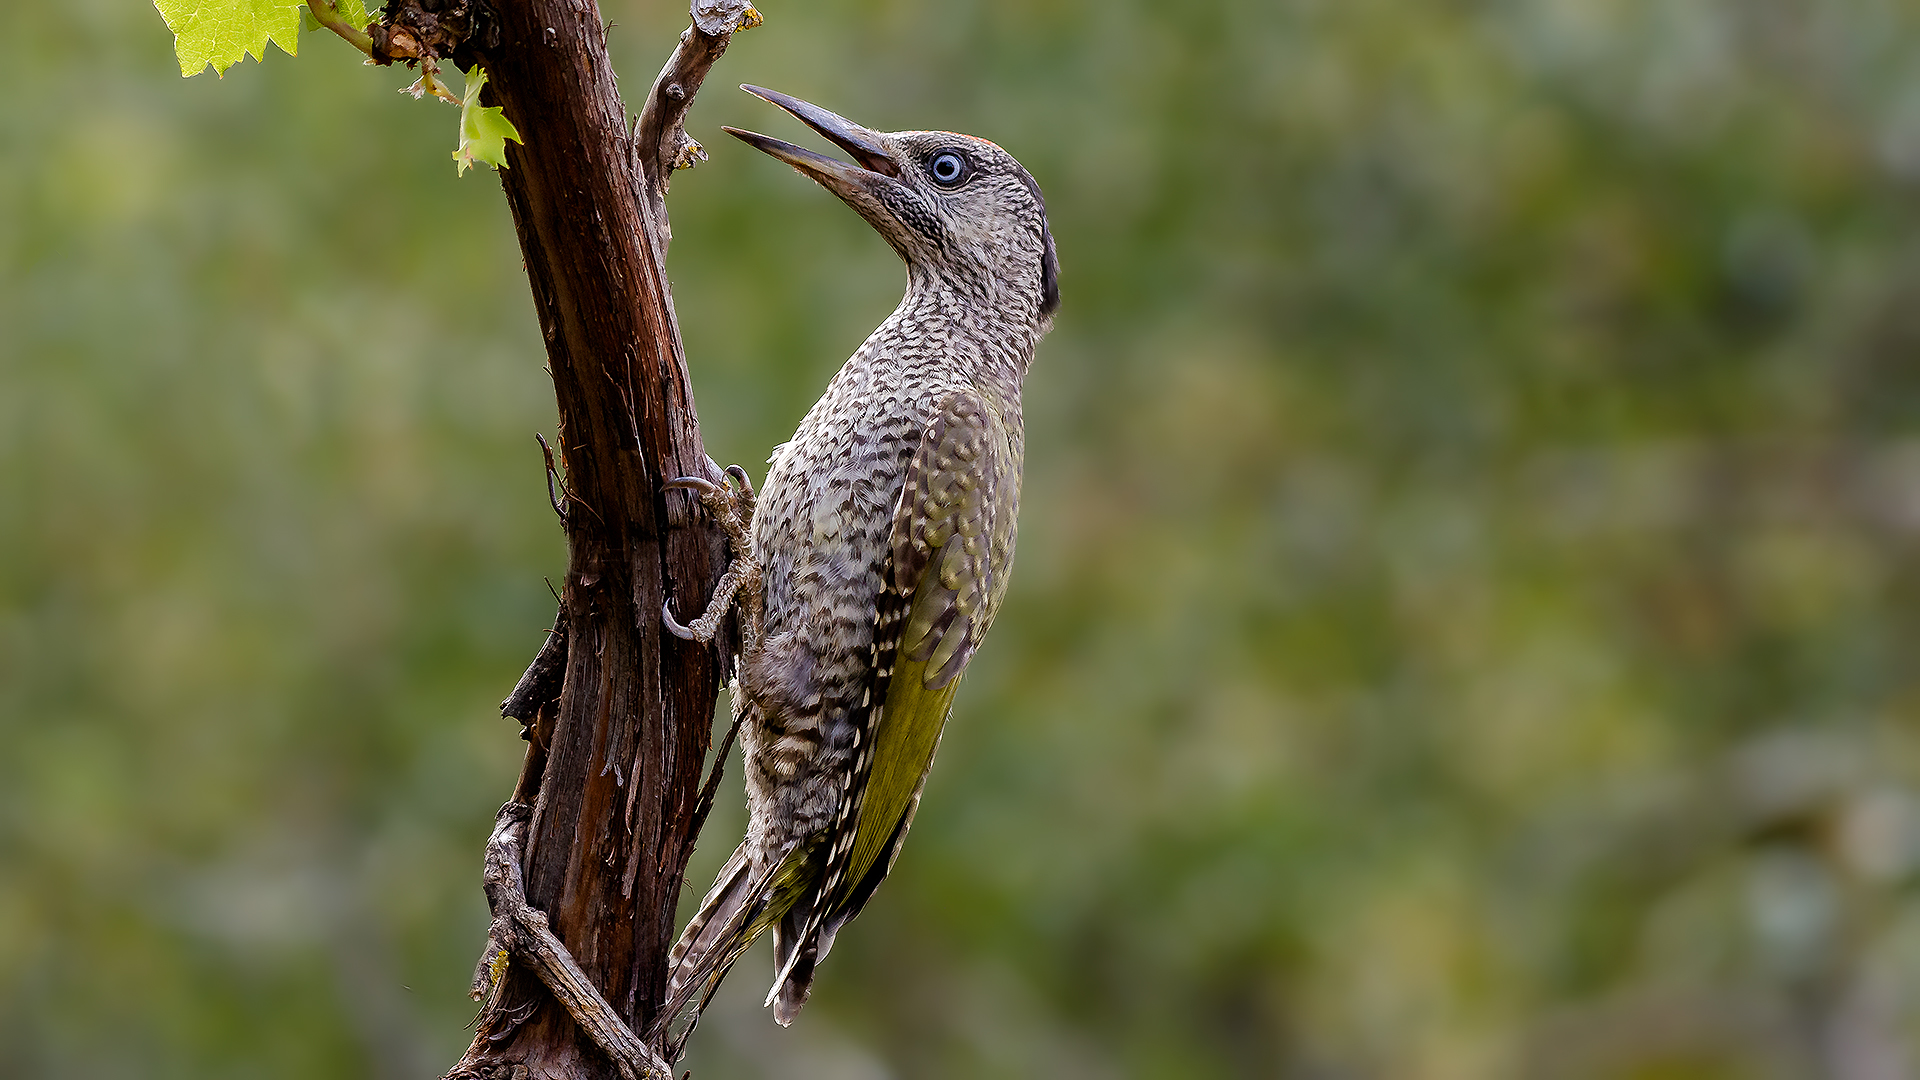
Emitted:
<point x="948" y="168"/>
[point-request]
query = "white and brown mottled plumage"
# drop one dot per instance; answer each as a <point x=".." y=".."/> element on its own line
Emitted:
<point x="880" y="545"/>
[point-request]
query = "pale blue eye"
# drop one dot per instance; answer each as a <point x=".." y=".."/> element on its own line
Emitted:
<point x="947" y="167"/>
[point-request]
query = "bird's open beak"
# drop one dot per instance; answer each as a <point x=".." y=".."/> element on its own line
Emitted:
<point x="836" y="176"/>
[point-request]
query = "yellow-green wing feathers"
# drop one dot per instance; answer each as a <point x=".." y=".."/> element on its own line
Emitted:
<point x="943" y="534"/>
<point x="944" y="574"/>
<point x="943" y="537"/>
<point x="909" y="733"/>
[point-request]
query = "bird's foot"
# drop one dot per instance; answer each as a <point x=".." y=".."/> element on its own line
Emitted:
<point x="731" y="505"/>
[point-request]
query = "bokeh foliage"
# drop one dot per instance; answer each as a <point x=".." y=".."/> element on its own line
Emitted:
<point x="1466" y="615"/>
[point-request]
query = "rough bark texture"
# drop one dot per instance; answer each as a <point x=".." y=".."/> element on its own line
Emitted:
<point x="614" y="765"/>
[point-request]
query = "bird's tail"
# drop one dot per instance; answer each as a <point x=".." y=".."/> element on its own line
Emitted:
<point x="715" y="937"/>
<point x="799" y="943"/>
<point x="741" y="905"/>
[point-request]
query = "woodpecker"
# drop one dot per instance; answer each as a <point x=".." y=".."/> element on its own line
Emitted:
<point x="872" y="561"/>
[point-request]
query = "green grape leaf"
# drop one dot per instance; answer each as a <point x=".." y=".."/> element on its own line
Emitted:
<point x="224" y="32"/>
<point x="484" y="130"/>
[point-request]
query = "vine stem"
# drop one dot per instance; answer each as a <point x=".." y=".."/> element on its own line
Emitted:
<point x="327" y="15"/>
<point x="429" y="83"/>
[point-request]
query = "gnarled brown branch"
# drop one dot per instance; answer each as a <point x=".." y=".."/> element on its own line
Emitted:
<point x="587" y="863"/>
<point x="520" y="935"/>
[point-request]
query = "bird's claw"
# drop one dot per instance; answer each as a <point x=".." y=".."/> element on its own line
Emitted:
<point x="731" y="504"/>
<point x="742" y="575"/>
<point x="741" y="487"/>
<point x="673" y="625"/>
<point x="694" y="483"/>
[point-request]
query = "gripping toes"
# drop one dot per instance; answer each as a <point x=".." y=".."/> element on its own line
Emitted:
<point x="731" y="505"/>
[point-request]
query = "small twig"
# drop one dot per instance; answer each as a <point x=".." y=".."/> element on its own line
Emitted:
<point x="521" y="933"/>
<point x="552" y="498"/>
<point x="565" y="488"/>
<point x="391" y="47"/>
<point x="429" y="83"/>
<point x="712" y="787"/>
<point x="411" y="34"/>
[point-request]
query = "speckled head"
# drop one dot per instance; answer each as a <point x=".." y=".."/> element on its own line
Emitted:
<point x="954" y="206"/>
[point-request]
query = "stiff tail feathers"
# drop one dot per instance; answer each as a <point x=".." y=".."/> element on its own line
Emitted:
<point x="794" y="956"/>
<point x="797" y="949"/>
<point x="712" y="940"/>
<point x="738" y="909"/>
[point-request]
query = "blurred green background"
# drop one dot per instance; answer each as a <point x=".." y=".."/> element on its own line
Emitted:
<point x="1466" y="615"/>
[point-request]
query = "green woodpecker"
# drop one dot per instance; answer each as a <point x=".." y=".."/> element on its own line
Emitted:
<point x="878" y="550"/>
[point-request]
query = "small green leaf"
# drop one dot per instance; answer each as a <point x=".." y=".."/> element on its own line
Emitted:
<point x="354" y="12"/>
<point x="224" y="32"/>
<point x="484" y="130"/>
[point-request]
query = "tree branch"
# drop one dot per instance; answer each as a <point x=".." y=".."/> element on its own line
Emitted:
<point x="661" y="142"/>
<point x="586" y="865"/>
